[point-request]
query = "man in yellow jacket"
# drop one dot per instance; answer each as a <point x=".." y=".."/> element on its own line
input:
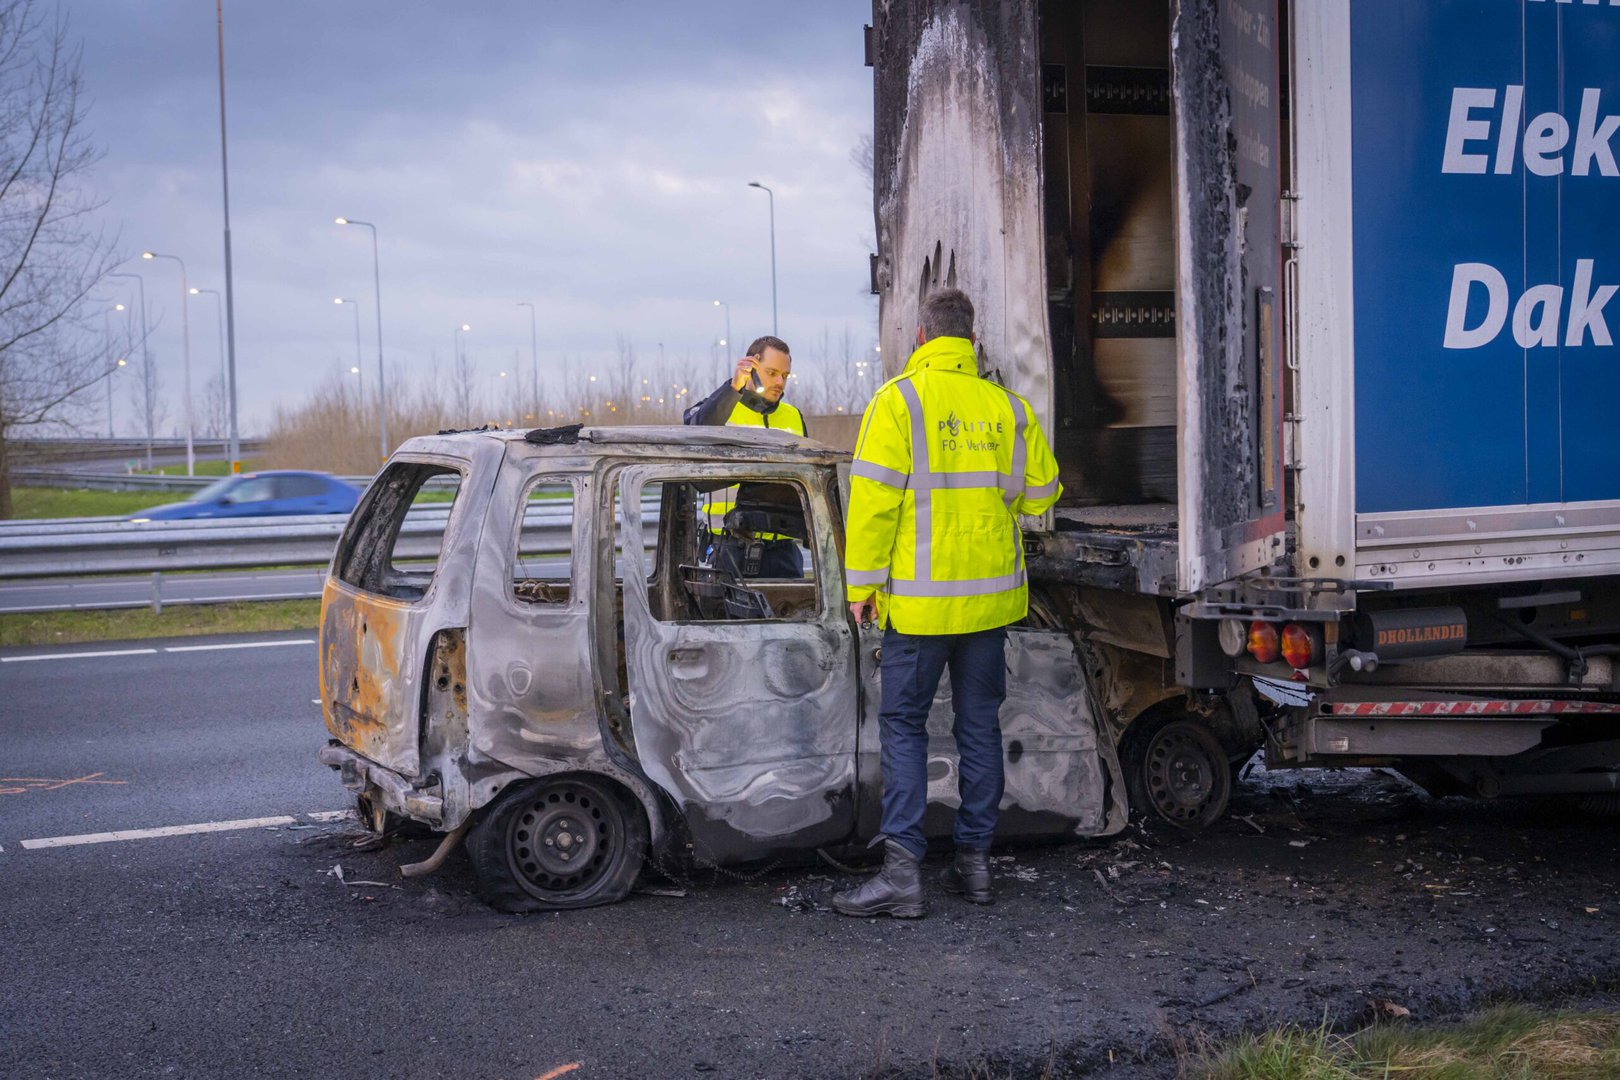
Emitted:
<point x="768" y="365"/>
<point x="945" y="463"/>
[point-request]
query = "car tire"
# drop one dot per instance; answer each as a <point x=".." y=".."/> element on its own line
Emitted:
<point x="1177" y="773"/>
<point x="557" y="843"/>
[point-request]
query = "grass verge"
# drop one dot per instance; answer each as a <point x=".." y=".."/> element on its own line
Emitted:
<point x="202" y="468"/>
<point x="1510" y="1042"/>
<point x="33" y="503"/>
<point x="69" y="627"/>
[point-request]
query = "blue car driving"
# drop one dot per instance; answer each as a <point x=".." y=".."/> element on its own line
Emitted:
<point x="259" y="494"/>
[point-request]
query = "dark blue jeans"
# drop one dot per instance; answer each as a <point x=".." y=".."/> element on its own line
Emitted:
<point x="911" y="669"/>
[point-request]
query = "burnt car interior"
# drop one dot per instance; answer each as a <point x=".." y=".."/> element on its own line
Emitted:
<point x="1110" y="256"/>
<point x="543" y="570"/>
<point x="689" y="583"/>
<point x="370" y="559"/>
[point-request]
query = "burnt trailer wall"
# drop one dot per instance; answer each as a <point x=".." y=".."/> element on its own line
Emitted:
<point x="956" y="179"/>
<point x="1103" y="177"/>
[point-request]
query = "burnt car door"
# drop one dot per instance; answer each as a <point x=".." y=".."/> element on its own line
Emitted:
<point x="742" y="686"/>
<point x="1062" y="776"/>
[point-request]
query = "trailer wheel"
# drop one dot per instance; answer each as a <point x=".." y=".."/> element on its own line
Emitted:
<point x="558" y="843"/>
<point x="1177" y="773"/>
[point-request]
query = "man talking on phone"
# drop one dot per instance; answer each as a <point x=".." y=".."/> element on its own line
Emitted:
<point x="752" y="398"/>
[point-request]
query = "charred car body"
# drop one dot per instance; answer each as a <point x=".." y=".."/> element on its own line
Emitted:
<point x="578" y="715"/>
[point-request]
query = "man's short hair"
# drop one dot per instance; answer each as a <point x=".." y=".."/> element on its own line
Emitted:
<point x="768" y="342"/>
<point x="946" y="313"/>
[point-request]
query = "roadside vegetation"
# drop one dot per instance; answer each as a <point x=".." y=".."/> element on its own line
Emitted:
<point x="72" y="627"/>
<point x="61" y="502"/>
<point x="1510" y="1042"/>
<point x="201" y="468"/>
<point x="334" y="430"/>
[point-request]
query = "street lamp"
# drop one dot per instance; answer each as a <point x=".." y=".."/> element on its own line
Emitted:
<point x="185" y="332"/>
<point x="219" y="313"/>
<point x="772" y="196"/>
<point x="235" y="451"/>
<point x="355" y="304"/>
<point x="534" y="353"/>
<point x="382" y="381"/>
<point x="722" y="304"/>
<point x="146" y="366"/>
<point x="106" y="335"/>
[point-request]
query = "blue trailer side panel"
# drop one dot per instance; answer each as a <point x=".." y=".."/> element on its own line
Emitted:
<point x="1486" y="228"/>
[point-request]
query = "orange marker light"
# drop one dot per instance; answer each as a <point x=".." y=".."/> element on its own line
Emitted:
<point x="1297" y="647"/>
<point x="1263" y="641"/>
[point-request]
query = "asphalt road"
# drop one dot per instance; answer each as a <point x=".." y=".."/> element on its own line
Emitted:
<point x="240" y="952"/>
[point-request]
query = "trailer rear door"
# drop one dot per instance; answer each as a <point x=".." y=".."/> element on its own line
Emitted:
<point x="1225" y="95"/>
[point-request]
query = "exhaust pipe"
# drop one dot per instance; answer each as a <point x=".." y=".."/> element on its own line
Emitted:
<point x="436" y="860"/>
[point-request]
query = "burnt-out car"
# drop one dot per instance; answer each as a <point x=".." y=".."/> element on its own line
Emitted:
<point x="558" y="668"/>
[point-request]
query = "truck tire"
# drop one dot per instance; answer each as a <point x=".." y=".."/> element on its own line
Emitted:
<point x="561" y="842"/>
<point x="1177" y="773"/>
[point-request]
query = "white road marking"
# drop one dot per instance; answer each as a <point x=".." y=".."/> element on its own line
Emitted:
<point x="330" y="815"/>
<point x="147" y="834"/>
<point x="76" y="655"/>
<point x="237" y="645"/>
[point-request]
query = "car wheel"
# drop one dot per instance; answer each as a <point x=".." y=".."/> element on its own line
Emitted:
<point x="558" y="843"/>
<point x="1177" y="774"/>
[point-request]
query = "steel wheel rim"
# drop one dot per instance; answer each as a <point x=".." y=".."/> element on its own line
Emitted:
<point x="563" y="841"/>
<point x="1180" y="776"/>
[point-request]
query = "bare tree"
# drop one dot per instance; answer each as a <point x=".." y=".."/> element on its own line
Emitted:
<point x="216" y="409"/>
<point x="51" y="346"/>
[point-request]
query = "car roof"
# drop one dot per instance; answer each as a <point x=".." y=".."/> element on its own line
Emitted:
<point x="675" y="438"/>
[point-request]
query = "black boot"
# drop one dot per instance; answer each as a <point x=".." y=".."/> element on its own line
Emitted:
<point x="895" y="890"/>
<point x="969" y="876"/>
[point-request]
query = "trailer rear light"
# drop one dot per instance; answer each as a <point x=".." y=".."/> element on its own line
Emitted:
<point x="1263" y="641"/>
<point x="1298" y="648"/>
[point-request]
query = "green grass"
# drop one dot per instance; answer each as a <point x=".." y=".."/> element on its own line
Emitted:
<point x="203" y="468"/>
<point x="1506" y="1043"/>
<point x="59" y="502"/>
<point x="68" y="627"/>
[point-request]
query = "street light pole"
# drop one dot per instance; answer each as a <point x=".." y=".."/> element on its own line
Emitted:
<point x="106" y="335"/>
<point x="146" y="366"/>
<point x="219" y="315"/>
<point x="357" y="361"/>
<point x="185" y="337"/>
<point x="382" y="379"/>
<point x="772" y="196"/>
<point x="534" y="356"/>
<point x="235" y="451"/>
<point x="727" y="341"/>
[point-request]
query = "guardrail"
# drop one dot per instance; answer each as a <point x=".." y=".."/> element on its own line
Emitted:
<point x="71" y="549"/>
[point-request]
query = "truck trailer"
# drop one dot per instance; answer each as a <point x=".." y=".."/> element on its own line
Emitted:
<point x="1316" y="300"/>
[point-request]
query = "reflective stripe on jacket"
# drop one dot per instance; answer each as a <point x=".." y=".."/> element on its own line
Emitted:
<point x="945" y="462"/>
<point x="785" y="417"/>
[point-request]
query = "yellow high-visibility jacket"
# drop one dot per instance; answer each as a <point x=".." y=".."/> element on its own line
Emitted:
<point x="784" y="417"/>
<point x="945" y="462"/>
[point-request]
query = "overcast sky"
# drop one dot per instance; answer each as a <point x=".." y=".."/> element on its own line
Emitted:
<point x="590" y="158"/>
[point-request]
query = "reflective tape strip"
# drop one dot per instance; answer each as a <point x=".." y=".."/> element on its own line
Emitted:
<point x="966" y="587"/>
<point x="865" y="577"/>
<point x="960" y="480"/>
<point x="1020" y="450"/>
<point x="868" y="470"/>
<point x="923" y="568"/>
<point x="1042" y="491"/>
